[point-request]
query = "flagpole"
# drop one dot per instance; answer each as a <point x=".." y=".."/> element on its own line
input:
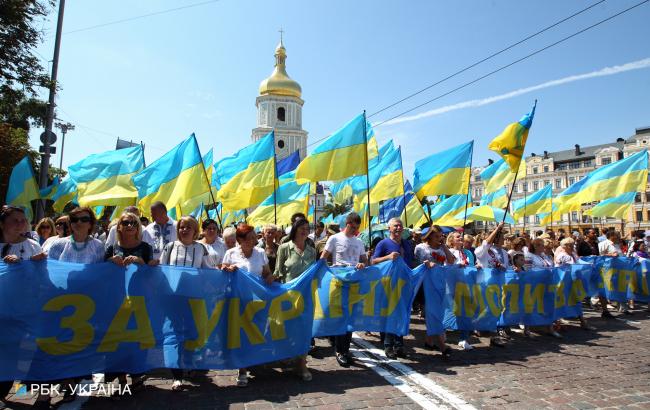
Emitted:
<point x="205" y="173"/>
<point x="275" y="177"/>
<point x="638" y="224"/>
<point x="469" y="184"/>
<point x="512" y="189"/>
<point x="406" y="220"/>
<point x="525" y="199"/>
<point x="315" y="197"/>
<point x="365" y="138"/>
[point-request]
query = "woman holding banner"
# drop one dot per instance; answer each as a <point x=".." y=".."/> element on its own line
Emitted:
<point x="44" y="230"/>
<point x="566" y="255"/>
<point x="464" y="257"/>
<point x="294" y="257"/>
<point x="79" y="247"/>
<point x="129" y="247"/>
<point x="14" y="246"/>
<point x="251" y="258"/>
<point x="61" y="230"/>
<point x="215" y="246"/>
<point x="432" y="251"/>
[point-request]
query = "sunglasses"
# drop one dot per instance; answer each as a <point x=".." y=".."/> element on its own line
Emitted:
<point x="82" y="219"/>
<point x="60" y="224"/>
<point x="128" y="223"/>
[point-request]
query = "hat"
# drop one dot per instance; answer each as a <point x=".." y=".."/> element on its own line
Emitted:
<point x="425" y="232"/>
<point x="333" y="229"/>
<point x="418" y="230"/>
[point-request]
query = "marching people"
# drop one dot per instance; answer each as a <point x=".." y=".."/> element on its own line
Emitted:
<point x="61" y="228"/>
<point x="319" y="232"/>
<point x="268" y="243"/>
<point x="591" y="247"/>
<point x="251" y="258"/>
<point x="346" y="250"/>
<point x="392" y="248"/>
<point x="432" y="252"/>
<point x="80" y="246"/>
<point x="294" y="257"/>
<point x="112" y="232"/>
<point x="185" y="251"/>
<point x="214" y="244"/>
<point x="44" y="230"/>
<point x="14" y="245"/>
<point x="464" y="257"/>
<point x="161" y="231"/>
<point x="566" y="255"/>
<point x="230" y="237"/>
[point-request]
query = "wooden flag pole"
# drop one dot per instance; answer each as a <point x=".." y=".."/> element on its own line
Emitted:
<point x="512" y="189"/>
<point x="205" y="173"/>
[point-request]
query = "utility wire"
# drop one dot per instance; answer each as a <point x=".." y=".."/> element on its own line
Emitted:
<point x="503" y="50"/>
<point x="155" y="13"/>
<point x="513" y="63"/>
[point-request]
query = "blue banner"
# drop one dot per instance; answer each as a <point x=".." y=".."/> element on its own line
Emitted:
<point x="619" y="279"/>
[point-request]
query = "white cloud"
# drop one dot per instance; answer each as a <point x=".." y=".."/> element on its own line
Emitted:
<point x="607" y="71"/>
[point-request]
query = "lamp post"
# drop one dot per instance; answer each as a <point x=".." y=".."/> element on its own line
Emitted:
<point x="64" y="127"/>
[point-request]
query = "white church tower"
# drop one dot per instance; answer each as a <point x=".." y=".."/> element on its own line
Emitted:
<point x="279" y="107"/>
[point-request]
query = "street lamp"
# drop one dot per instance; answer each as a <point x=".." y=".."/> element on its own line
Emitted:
<point x="64" y="127"/>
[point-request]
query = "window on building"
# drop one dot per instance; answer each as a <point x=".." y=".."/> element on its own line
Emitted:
<point x="535" y="170"/>
<point x="537" y="219"/>
<point x="574" y="165"/>
<point x="572" y="180"/>
<point x="545" y="168"/>
<point x="558" y="183"/>
<point x="515" y="189"/>
<point x="525" y="186"/>
<point x="535" y="185"/>
<point x="648" y="214"/>
<point x="280" y="144"/>
<point x="546" y="182"/>
<point x="281" y="114"/>
<point x="574" y="216"/>
<point x="637" y="197"/>
<point x="527" y="219"/>
<point x="561" y="167"/>
<point x="606" y="160"/>
<point x="639" y="215"/>
<point x="588" y="163"/>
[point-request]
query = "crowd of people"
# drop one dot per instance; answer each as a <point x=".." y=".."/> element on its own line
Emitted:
<point x="279" y="255"/>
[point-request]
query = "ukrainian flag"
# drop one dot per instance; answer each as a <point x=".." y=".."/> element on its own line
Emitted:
<point x="289" y="199"/>
<point x="227" y="217"/>
<point x="247" y="177"/>
<point x="341" y="155"/>
<point x="208" y="164"/>
<point x="626" y="175"/>
<point x="535" y="204"/>
<point x="511" y="142"/>
<point x="173" y="178"/>
<point x="617" y="207"/>
<point x="117" y="212"/>
<point x="22" y="189"/>
<point x="444" y="173"/>
<point x="50" y="190"/>
<point x="65" y="193"/>
<point x="105" y="178"/>
<point x="386" y="180"/>
<point x="499" y="174"/>
<point x="497" y="198"/>
<point x="445" y="212"/>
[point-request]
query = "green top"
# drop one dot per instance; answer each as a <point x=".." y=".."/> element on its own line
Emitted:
<point x="290" y="263"/>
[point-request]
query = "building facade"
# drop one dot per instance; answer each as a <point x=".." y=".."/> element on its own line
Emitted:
<point x="563" y="168"/>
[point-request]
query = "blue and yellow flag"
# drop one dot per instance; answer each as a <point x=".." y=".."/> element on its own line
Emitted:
<point x="208" y="164"/>
<point x="445" y="212"/>
<point x="626" y="175"/>
<point x="444" y="173"/>
<point x="498" y="198"/>
<point x="386" y="181"/>
<point x="290" y="198"/>
<point x="498" y="174"/>
<point x="535" y="204"/>
<point x="247" y="177"/>
<point x="173" y="178"/>
<point x="49" y="191"/>
<point x="65" y="193"/>
<point x="510" y="144"/>
<point x="617" y="207"/>
<point x="343" y="154"/>
<point x="105" y="178"/>
<point x="23" y="189"/>
<point x="288" y="164"/>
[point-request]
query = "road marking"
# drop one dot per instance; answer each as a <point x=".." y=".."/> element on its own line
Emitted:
<point x="422" y="390"/>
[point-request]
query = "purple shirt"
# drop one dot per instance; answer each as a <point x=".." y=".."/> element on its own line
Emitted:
<point x="387" y="246"/>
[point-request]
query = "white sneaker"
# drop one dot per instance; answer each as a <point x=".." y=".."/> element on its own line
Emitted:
<point x="464" y="344"/>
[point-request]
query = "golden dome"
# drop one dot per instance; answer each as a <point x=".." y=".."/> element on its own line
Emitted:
<point x="279" y="83"/>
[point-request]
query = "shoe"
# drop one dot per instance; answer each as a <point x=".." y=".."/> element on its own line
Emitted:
<point x="527" y="333"/>
<point x="430" y="347"/>
<point x="343" y="360"/>
<point x="606" y="315"/>
<point x="242" y="380"/>
<point x="555" y="334"/>
<point x="390" y="353"/>
<point x="587" y="327"/>
<point x="503" y="334"/>
<point x="497" y="341"/>
<point x="446" y="354"/>
<point x="627" y="312"/>
<point x="464" y="344"/>
<point x="401" y="353"/>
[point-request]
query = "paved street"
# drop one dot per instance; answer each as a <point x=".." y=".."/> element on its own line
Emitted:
<point x="606" y="368"/>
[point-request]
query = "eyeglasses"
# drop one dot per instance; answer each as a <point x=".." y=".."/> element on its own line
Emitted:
<point x="58" y="224"/>
<point x="128" y="223"/>
<point x="82" y="219"/>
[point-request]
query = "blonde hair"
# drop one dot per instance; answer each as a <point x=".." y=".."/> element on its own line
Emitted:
<point x="567" y="242"/>
<point x="192" y="222"/>
<point x="469" y="238"/>
<point x="229" y="232"/>
<point x="46" y="221"/>
<point x="268" y="227"/>
<point x="129" y="216"/>
<point x="450" y="239"/>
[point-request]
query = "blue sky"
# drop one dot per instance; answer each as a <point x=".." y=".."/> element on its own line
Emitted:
<point x="160" y="78"/>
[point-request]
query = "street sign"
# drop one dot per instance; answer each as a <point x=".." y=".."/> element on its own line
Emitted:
<point x="41" y="149"/>
<point x="52" y="137"/>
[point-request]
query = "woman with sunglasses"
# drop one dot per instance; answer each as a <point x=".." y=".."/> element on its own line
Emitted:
<point x="129" y="247"/>
<point x="79" y="247"/>
<point x="61" y="230"/>
<point x="44" y="230"/>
